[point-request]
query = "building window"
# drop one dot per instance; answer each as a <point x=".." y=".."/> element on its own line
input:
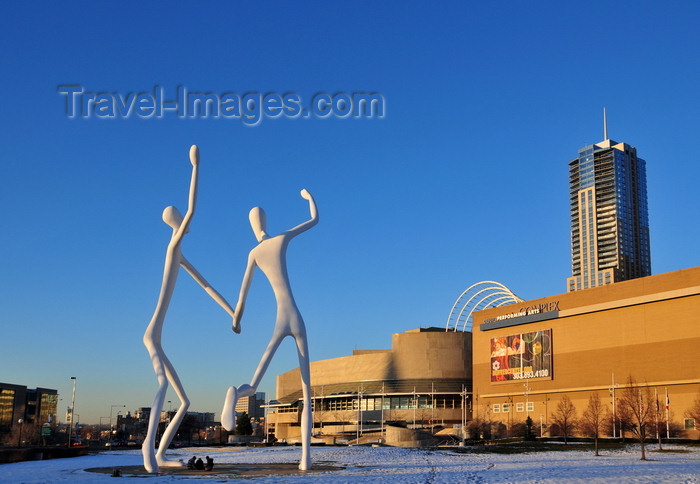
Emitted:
<point x="506" y="407"/>
<point x="689" y="424"/>
<point x="7" y="403"/>
<point x="496" y="408"/>
<point x="530" y="406"/>
<point x="520" y="407"/>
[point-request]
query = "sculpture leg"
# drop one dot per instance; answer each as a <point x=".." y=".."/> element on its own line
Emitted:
<point x="148" y="446"/>
<point x="228" y="414"/>
<point x="174" y="424"/>
<point x="277" y="338"/>
<point x="306" y="418"/>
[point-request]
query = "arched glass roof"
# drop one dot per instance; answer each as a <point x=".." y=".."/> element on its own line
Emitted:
<point x="482" y="295"/>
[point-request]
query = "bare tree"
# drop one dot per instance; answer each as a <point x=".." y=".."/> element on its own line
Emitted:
<point x="190" y="424"/>
<point x="423" y="415"/>
<point x="477" y="428"/>
<point x="639" y="402"/>
<point x="243" y="425"/>
<point x="24" y="434"/>
<point x="320" y="414"/>
<point x="488" y="421"/>
<point x="480" y="426"/>
<point x="624" y="419"/>
<point x="694" y="411"/>
<point x="565" y="416"/>
<point x="339" y="420"/>
<point x="593" y="418"/>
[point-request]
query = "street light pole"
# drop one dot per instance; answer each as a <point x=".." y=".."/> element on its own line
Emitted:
<point x="359" y="402"/>
<point x="359" y="417"/>
<point x="463" y="394"/>
<point x="462" y="423"/>
<point x="383" y="437"/>
<point x="72" y="410"/>
<point x="432" y="406"/>
<point x="527" y="398"/>
<point x="612" y="394"/>
<point x="415" y="404"/>
<point x="19" y="439"/>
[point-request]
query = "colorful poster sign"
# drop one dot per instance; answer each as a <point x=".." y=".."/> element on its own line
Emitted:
<point x="522" y="356"/>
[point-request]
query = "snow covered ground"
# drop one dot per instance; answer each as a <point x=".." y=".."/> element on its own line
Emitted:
<point x="394" y="465"/>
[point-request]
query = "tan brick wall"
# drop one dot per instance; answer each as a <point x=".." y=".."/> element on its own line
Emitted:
<point x="414" y="355"/>
<point x="431" y="355"/>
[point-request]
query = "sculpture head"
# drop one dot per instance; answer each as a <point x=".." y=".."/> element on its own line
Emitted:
<point x="173" y="217"/>
<point x="258" y="222"/>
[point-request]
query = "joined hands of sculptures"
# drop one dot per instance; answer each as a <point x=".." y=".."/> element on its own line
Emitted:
<point x="165" y="372"/>
<point x="270" y="257"/>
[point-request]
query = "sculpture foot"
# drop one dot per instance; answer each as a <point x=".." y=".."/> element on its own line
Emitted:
<point x="163" y="462"/>
<point x="228" y="414"/>
<point x="149" y="461"/>
<point x="304" y="464"/>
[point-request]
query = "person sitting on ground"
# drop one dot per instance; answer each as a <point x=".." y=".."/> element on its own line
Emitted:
<point x="199" y="465"/>
<point x="210" y="464"/>
<point x="190" y="463"/>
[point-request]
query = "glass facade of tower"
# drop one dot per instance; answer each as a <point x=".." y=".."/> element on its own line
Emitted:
<point x="609" y="218"/>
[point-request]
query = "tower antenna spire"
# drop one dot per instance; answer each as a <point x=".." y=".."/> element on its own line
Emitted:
<point x="605" y="124"/>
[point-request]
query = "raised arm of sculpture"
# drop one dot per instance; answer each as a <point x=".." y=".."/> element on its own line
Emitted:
<point x="203" y="282"/>
<point x="245" y="286"/>
<point x="309" y="223"/>
<point x="192" y="202"/>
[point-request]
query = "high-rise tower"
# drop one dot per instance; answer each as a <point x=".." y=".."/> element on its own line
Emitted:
<point x="609" y="219"/>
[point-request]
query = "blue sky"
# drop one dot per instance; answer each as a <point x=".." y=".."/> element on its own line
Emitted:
<point x="464" y="178"/>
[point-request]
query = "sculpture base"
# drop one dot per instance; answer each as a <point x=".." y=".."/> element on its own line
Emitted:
<point x="220" y="470"/>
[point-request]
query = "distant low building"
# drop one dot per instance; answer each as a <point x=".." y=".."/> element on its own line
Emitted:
<point x="252" y="405"/>
<point x="32" y="405"/>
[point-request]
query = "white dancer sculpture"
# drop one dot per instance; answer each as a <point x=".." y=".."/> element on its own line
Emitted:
<point x="152" y="339"/>
<point x="270" y="256"/>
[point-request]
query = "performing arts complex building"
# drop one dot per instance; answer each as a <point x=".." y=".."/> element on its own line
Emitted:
<point x="500" y="359"/>
<point x="518" y="361"/>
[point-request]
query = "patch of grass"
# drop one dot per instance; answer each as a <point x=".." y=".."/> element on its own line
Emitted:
<point x="522" y="447"/>
<point x="519" y="446"/>
<point x="672" y="451"/>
